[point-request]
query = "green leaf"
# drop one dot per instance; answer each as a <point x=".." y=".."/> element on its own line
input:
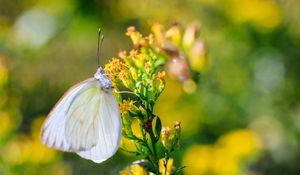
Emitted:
<point x="145" y="164"/>
<point x="179" y="169"/>
<point x="158" y="128"/>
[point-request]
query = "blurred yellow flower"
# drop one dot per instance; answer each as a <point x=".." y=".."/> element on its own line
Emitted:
<point x="23" y="149"/>
<point x="134" y="170"/>
<point x="6" y="124"/>
<point x="198" y="159"/>
<point x="225" y="157"/>
<point x="3" y="71"/>
<point x="248" y="143"/>
<point x="162" y="167"/>
<point x="28" y="149"/>
<point x="262" y="13"/>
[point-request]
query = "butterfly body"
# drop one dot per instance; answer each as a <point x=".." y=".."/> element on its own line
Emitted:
<point x="86" y="120"/>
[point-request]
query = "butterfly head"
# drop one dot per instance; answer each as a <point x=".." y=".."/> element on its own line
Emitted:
<point x="103" y="79"/>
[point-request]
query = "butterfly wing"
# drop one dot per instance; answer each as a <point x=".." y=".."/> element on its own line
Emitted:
<point x="87" y="121"/>
<point x="53" y="130"/>
<point x="109" y="129"/>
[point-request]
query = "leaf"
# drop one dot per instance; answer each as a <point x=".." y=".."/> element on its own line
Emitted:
<point x="179" y="169"/>
<point x="145" y="164"/>
<point x="158" y="128"/>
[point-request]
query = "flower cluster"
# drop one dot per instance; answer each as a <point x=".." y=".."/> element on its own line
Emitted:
<point x="139" y="79"/>
<point x="170" y="137"/>
<point x="186" y="49"/>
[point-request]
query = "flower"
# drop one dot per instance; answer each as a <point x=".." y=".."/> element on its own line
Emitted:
<point x="114" y="67"/>
<point x="225" y="156"/>
<point x="163" y="164"/>
<point x="161" y="75"/>
<point x="122" y="54"/>
<point x="134" y="169"/>
<point x="126" y="105"/>
<point x="174" y="34"/>
<point x="135" y="36"/>
<point x="198" y="55"/>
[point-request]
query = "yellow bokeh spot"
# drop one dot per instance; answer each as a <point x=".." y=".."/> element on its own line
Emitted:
<point x="189" y="86"/>
<point x="198" y="159"/>
<point x="171" y="108"/>
<point x="262" y="13"/>
<point x="3" y="72"/>
<point x="6" y="124"/>
<point x="28" y="148"/>
<point x="240" y="143"/>
<point x="23" y="149"/>
<point x="225" y="157"/>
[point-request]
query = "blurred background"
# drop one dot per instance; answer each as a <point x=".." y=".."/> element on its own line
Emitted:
<point x="242" y="116"/>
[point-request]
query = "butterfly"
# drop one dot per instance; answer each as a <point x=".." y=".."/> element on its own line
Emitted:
<point x="86" y="120"/>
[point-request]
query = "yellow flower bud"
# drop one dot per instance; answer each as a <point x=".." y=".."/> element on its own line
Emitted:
<point x="122" y="54"/>
<point x="157" y="30"/>
<point x="190" y="35"/>
<point x="133" y="73"/>
<point x="166" y="137"/>
<point x="134" y="35"/>
<point x="198" y="56"/>
<point x="174" y="34"/>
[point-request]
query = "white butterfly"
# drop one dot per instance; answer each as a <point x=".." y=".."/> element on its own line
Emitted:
<point x="86" y="120"/>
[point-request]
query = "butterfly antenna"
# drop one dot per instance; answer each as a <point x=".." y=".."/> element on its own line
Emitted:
<point x="100" y="41"/>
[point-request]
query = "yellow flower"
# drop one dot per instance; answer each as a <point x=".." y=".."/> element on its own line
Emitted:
<point x="133" y="53"/>
<point x="248" y="143"/>
<point x="198" y="56"/>
<point x="134" y="170"/>
<point x="25" y="149"/>
<point x="162" y="167"/>
<point x="262" y="13"/>
<point x="224" y="157"/>
<point x="126" y="79"/>
<point x="122" y="54"/>
<point x="147" y="66"/>
<point x="126" y="106"/>
<point x="134" y="35"/>
<point x="130" y="30"/>
<point x="161" y="75"/>
<point x="190" y="35"/>
<point x="174" y="34"/>
<point x="6" y="124"/>
<point x="198" y="159"/>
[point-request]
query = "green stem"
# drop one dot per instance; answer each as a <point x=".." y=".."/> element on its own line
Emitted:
<point x="152" y="159"/>
<point x="166" y="166"/>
